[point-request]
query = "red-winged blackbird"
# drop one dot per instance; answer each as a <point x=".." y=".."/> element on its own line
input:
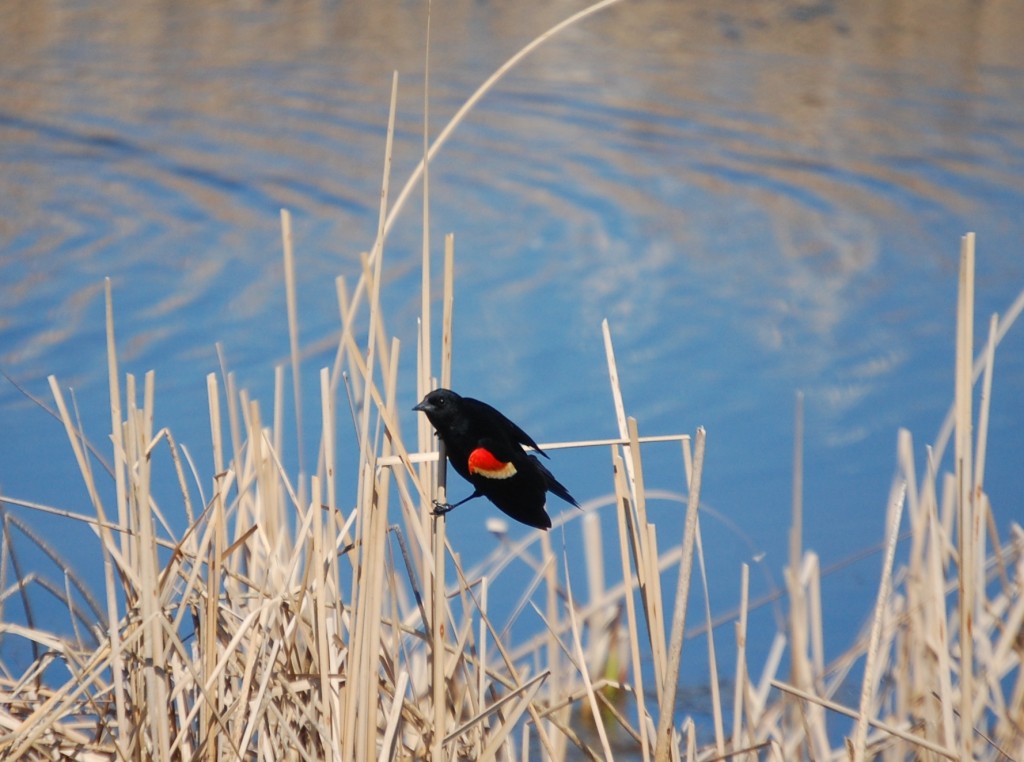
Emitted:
<point x="486" y="449"/>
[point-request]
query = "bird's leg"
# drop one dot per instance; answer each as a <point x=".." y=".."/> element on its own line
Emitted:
<point x="440" y="509"/>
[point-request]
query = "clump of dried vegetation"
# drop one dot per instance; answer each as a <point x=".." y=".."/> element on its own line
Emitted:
<point x="282" y="625"/>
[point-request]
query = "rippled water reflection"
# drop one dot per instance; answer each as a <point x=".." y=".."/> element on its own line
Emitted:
<point x="760" y="197"/>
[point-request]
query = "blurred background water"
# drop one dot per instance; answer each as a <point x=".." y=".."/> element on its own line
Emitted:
<point x="760" y="197"/>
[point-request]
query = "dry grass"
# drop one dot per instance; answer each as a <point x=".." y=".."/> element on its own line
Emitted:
<point x="283" y="625"/>
<point x="240" y="639"/>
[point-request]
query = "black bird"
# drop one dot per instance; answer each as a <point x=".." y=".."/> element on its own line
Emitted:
<point x="486" y="449"/>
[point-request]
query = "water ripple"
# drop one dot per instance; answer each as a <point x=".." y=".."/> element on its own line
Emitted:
<point x="758" y="197"/>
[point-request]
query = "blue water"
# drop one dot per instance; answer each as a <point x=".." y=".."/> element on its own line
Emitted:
<point x="760" y="199"/>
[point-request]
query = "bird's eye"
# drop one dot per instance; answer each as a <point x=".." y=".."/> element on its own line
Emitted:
<point x="440" y="402"/>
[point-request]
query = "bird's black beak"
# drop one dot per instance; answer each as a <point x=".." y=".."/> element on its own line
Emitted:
<point x="422" y="407"/>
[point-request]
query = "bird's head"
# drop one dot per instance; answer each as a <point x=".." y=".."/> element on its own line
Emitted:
<point x="441" y="406"/>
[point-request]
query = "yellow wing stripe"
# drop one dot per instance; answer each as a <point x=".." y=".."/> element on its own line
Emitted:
<point x="483" y="462"/>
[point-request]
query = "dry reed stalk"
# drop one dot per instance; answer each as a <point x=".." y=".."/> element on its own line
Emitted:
<point x="716" y="700"/>
<point x="800" y="670"/>
<point x="436" y="572"/>
<point x="481" y="646"/>
<point x="806" y="723"/>
<point x="962" y="459"/>
<point x="804" y="585"/>
<point x="208" y="629"/>
<point x="439" y="611"/>
<point x="603" y="652"/>
<point x="558" y="684"/>
<point x="872" y="673"/>
<point x="739" y="731"/>
<point x="291" y="303"/>
<point x="425" y="348"/>
<point x="480" y="92"/>
<point x="796" y="529"/>
<point x="984" y="404"/>
<point x="689" y="735"/>
<point x="622" y="493"/>
<point x="584" y="672"/>
<point x="638" y="529"/>
<point x="1007" y="320"/>
<point x="360" y="699"/>
<point x="113" y="376"/>
<point x="887" y="728"/>
<point x="936" y="622"/>
<point x="666" y="708"/>
<point x="431" y="455"/>
<point x="69" y="515"/>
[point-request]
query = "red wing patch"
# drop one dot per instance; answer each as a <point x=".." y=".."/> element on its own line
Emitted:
<point x="483" y="462"/>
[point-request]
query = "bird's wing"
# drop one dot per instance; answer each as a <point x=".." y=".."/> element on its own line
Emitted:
<point x="500" y="421"/>
<point x="523" y="438"/>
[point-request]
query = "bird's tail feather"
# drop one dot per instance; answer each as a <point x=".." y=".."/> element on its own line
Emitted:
<point x="554" y="485"/>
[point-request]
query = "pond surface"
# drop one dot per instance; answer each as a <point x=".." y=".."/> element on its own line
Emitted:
<point x="761" y="198"/>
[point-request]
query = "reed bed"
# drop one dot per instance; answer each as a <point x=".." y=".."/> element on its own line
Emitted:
<point x="284" y="623"/>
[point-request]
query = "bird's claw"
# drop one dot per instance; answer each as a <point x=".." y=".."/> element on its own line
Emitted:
<point x="440" y="509"/>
